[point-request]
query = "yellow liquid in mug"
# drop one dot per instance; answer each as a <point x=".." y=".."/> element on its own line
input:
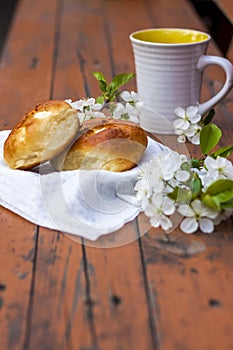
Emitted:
<point x="171" y="36"/>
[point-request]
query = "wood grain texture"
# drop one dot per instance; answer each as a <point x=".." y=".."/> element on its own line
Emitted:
<point x="137" y="288"/>
<point x="17" y="254"/>
<point x="59" y="310"/>
<point x="25" y="78"/>
<point x="191" y="284"/>
<point x="227" y="7"/>
<point x="27" y="61"/>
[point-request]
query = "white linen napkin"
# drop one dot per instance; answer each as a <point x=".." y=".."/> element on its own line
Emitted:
<point x="86" y="203"/>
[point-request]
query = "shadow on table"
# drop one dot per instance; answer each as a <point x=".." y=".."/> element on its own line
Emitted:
<point x="7" y="8"/>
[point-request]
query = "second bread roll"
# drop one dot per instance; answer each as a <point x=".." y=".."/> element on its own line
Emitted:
<point x="104" y="143"/>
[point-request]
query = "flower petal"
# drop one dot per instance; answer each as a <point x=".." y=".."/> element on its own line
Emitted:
<point x="150" y="211"/>
<point x="212" y="214"/>
<point x="155" y="221"/>
<point x="197" y="206"/>
<point x="184" y="209"/>
<point x="180" y="112"/>
<point x="181" y="139"/>
<point x="195" y="140"/>
<point x="168" y="206"/>
<point x="193" y="115"/>
<point x="210" y="163"/>
<point x="189" y="225"/>
<point x="165" y="223"/>
<point x="191" y="131"/>
<point x="206" y="225"/>
<point x="126" y="96"/>
<point x="182" y="175"/>
<point x="181" y="124"/>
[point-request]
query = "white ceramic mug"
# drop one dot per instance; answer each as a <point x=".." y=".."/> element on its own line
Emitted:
<point x="169" y="63"/>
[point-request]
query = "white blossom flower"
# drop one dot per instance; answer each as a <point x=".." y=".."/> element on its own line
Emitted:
<point x="118" y="111"/>
<point x="143" y="192"/>
<point x="216" y="169"/>
<point x="181" y="138"/>
<point x="182" y="175"/>
<point x="96" y="107"/>
<point x="69" y="101"/>
<point x="133" y="112"/>
<point x="170" y="164"/>
<point x="219" y="167"/>
<point x="158" y="209"/>
<point x="186" y="125"/>
<point x="160" y="179"/>
<point x="129" y="110"/>
<point x="130" y="96"/>
<point x="192" y="134"/>
<point x="83" y="116"/>
<point x="82" y="104"/>
<point x="150" y="180"/>
<point x="190" y="115"/>
<point x="133" y="105"/>
<point x="197" y="215"/>
<point x="195" y="131"/>
<point x="87" y="108"/>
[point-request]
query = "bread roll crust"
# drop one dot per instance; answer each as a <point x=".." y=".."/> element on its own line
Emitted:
<point x="104" y="143"/>
<point x="42" y="134"/>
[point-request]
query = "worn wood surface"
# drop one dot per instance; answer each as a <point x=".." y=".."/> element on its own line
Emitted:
<point x="57" y="292"/>
<point x="227" y="7"/>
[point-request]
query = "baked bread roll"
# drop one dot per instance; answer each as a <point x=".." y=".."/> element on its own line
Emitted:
<point x="104" y="143"/>
<point x="42" y="134"/>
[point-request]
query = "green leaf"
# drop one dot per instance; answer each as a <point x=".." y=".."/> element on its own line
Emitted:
<point x="186" y="166"/>
<point x="227" y="205"/>
<point x="173" y="195"/>
<point x="222" y="152"/>
<point x="220" y="201"/>
<point x="99" y="76"/>
<point x="195" y="163"/>
<point x="120" y="79"/>
<point x="224" y="196"/>
<point x="180" y="195"/>
<point x="219" y="186"/>
<point x="196" y="187"/>
<point x="102" y="81"/>
<point x="110" y="91"/>
<point x="211" y="202"/>
<point x="218" y="194"/>
<point x="103" y="86"/>
<point x="209" y="137"/>
<point x="207" y="119"/>
<point x="100" y="99"/>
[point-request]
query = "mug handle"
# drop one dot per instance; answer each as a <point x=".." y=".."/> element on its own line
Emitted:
<point x="205" y="61"/>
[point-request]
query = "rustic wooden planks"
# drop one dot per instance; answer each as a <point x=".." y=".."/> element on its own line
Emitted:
<point x="185" y="278"/>
<point x="227" y="7"/>
<point x="17" y="254"/>
<point x="107" y="291"/>
<point x="60" y="292"/>
<point x="25" y="78"/>
<point x="58" y="311"/>
<point x="27" y="60"/>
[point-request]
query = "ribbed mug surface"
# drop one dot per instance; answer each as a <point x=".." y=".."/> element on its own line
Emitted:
<point x="166" y="73"/>
<point x="167" y="77"/>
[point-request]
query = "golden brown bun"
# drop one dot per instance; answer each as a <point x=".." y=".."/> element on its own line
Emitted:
<point x="42" y="134"/>
<point x="104" y="143"/>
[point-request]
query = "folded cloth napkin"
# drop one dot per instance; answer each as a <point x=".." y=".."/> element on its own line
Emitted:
<point x="87" y="203"/>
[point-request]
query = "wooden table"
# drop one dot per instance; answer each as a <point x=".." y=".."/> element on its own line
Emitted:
<point x="226" y="6"/>
<point x="159" y="291"/>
